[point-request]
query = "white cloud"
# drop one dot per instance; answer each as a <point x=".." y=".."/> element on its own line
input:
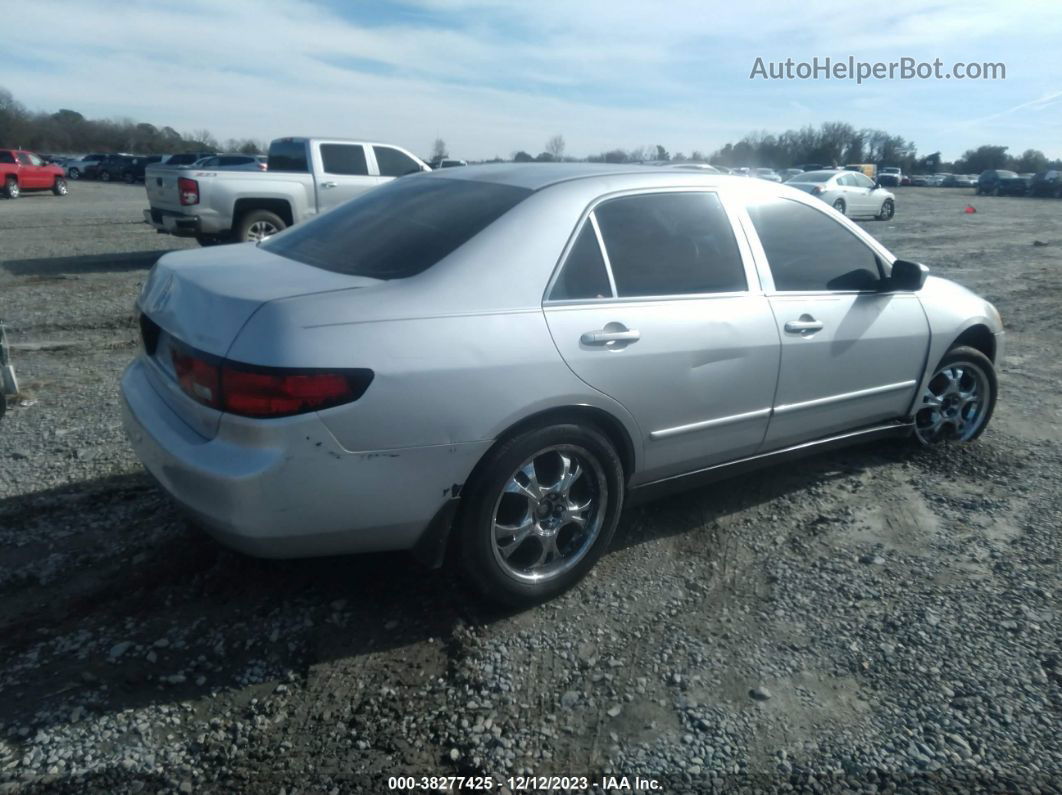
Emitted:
<point x="501" y="76"/>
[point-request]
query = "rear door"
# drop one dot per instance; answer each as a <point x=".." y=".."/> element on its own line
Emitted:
<point x="656" y="306"/>
<point x="852" y="354"/>
<point x="341" y="170"/>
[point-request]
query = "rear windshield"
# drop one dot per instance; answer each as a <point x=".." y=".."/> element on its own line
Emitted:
<point x="399" y="229"/>
<point x="813" y="176"/>
<point x="288" y="155"/>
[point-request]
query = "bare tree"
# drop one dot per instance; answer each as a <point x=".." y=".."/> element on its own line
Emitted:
<point x="555" y="147"/>
<point x="438" y="150"/>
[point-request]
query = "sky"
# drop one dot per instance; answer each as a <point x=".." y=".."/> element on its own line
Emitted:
<point x="491" y="77"/>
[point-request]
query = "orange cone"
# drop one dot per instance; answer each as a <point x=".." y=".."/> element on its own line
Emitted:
<point x="969" y="209"/>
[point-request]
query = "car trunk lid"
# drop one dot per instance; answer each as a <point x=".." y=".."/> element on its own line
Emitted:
<point x="201" y="300"/>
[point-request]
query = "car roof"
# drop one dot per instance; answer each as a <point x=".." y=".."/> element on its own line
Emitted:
<point x="535" y="176"/>
<point x="831" y="171"/>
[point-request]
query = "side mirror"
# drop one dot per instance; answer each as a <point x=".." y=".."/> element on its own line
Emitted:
<point x="906" y="276"/>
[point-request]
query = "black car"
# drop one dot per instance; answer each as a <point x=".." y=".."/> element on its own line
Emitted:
<point x="128" y="168"/>
<point x="1000" y="182"/>
<point x="1047" y="183"/>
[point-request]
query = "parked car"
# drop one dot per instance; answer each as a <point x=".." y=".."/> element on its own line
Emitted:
<point x="1047" y="183"/>
<point x="127" y="168"/>
<point x="372" y="379"/>
<point x="305" y="176"/>
<point x="869" y="170"/>
<point x="816" y="167"/>
<point x="768" y="174"/>
<point x="447" y="162"/>
<point x="22" y="171"/>
<point x="890" y="176"/>
<point x="1000" y="182"/>
<point x="236" y="162"/>
<point x="8" y="382"/>
<point x="788" y="173"/>
<point x="920" y="180"/>
<point x="85" y="166"/>
<point x="848" y="192"/>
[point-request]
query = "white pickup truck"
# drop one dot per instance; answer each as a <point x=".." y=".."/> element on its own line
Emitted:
<point x="304" y="177"/>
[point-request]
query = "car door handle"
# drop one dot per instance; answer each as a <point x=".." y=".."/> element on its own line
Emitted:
<point x="806" y="323"/>
<point x="603" y="337"/>
<point x="328" y="184"/>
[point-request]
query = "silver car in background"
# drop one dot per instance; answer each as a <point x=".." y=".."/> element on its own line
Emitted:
<point x="848" y="192"/>
<point x="494" y="360"/>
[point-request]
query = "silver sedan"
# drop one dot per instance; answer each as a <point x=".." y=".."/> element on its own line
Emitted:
<point x="494" y="360"/>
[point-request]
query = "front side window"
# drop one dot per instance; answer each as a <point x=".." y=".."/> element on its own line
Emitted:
<point x="583" y="274"/>
<point x="393" y="163"/>
<point x="346" y="159"/>
<point x="670" y="244"/>
<point x="24" y="159"/>
<point x="863" y="181"/>
<point x="397" y="230"/>
<point x="288" y="155"/>
<point x="810" y="252"/>
<point x="6" y="157"/>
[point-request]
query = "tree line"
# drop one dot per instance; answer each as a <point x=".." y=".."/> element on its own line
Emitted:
<point x="829" y="144"/>
<point x="69" y="132"/>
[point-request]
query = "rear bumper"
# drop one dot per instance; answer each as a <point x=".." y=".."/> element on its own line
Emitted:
<point x="185" y="224"/>
<point x="285" y="488"/>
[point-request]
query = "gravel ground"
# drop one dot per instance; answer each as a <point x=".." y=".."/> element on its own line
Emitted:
<point x="875" y="620"/>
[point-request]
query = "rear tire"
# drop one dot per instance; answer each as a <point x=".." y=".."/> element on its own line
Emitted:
<point x="127" y="177"/>
<point x="104" y="176"/>
<point x="562" y="516"/>
<point x="257" y="225"/>
<point x="11" y="189"/>
<point x="59" y="187"/>
<point x="839" y="206"/>
<point x="74" y="173"/>
<point x="957" y="403"/>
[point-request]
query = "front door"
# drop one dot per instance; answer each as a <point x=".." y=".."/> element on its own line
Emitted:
<point x="851" y="354"/>
<point x="653" y="308"/>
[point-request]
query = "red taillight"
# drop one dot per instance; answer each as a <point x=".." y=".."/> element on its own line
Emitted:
<point x="188" y="190"/>
<point x="198" y="377"/>
<point x="257" y="393"/>
<point x="262" y="392"/>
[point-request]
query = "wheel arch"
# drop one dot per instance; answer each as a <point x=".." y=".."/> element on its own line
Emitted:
<point x="281" y="207"/>
<point x="979" y="337"/>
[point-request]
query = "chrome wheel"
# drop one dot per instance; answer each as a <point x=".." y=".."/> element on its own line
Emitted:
<point x="888" y="209"/>
<point x="549" y="513"/>
<point x="954" y="405"/>
<point x="260" y="230"/>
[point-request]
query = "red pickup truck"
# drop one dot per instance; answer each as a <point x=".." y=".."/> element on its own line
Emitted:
<point x="20" y="170"/>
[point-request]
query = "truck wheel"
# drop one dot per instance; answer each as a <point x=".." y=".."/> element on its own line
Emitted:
<point x="257" y="225"/>
<point x="11" y="188"/>
<point x="59" y="186"/>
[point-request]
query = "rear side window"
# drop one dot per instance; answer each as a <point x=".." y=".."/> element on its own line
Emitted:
<point x="670" y="244"/>
<point x="810" y="252"/>
<point x="234" y="160"/>
<point x="399" y="229"/>
<point x="288" y="156"/>
<point x="347" y="159"/>
<point x="393" y="163"/>
<point x="6" y="157"/>
<point x="583" y="274"/>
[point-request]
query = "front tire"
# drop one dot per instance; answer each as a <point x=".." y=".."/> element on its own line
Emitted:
<point x="957" y="402"/>
<point x="74" y="173"/>
<point x="104" y="176"/>
<point x="59" y="187"/>
<point x="539" y="512"/>
<point x="888" y="210"/>
<point x="11" y="189"/>
<point x="257" y="225"/>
